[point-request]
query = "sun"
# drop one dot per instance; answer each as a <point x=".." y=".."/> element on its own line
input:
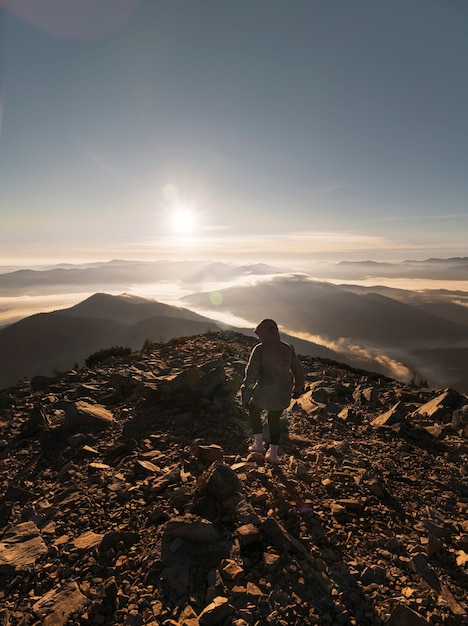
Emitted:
<point x="183" y="221"/>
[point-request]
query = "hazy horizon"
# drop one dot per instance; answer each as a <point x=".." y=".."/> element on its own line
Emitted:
<point x="16" y="307"/>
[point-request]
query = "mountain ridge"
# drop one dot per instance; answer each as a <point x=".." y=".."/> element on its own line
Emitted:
<point x="58" y="340"/>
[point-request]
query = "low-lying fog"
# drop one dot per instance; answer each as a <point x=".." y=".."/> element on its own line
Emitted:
<point x="14" y="308"/>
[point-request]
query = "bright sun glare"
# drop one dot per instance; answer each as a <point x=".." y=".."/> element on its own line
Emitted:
<point x="183" y="221"/>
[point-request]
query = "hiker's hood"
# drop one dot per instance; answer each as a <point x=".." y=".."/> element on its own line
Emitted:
<point x="267" y="329"/>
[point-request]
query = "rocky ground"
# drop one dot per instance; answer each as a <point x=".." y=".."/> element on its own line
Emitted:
<point x="128" y="497"/>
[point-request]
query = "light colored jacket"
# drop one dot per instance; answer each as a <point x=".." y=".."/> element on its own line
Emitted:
<point x="272" y="374"/>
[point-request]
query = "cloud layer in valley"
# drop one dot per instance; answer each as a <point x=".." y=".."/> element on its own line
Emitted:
<point x="402" y="333"/>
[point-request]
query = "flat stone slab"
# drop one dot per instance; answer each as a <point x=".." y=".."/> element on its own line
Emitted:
<point x="21" y="546"/>
<point x="56" y="606"/>
<point x="88" y="540"/>
<point x="89" y="417"/>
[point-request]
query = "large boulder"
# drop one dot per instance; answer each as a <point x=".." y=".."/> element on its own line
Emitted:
<point x="81" y="416"/>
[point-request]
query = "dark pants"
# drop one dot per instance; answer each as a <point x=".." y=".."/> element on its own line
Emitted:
<point x="273" y="423"/>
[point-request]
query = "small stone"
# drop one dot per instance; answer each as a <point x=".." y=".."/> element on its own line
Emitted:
<point x="87" y="540"/>
<point x="248" y="534"/>
<point x="218" y="610"/>
<point x="232" y="571"/>
<point x="207" y="453"/>
<point x="462" y="558"/>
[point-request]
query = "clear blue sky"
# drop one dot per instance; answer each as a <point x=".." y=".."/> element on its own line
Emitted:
<point x="287" y="129"/>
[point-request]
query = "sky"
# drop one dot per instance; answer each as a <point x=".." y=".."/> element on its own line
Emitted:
<point x="244" y="130"/>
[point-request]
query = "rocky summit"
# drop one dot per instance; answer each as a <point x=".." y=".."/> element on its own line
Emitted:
<point x="128" y="497"/>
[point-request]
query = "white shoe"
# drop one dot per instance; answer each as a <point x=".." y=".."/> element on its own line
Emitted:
<point x="255" y="448"/>
<point x="271" y="458"/>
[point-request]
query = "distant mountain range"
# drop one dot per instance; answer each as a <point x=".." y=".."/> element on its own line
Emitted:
<point x="436" y="269"/>
<point x="122" y="274"/>
<point x="400" y="333"/>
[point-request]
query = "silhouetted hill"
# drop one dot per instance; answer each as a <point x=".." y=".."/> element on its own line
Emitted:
<point x="357" y="324"/>
<point x="323" y="309"/>
<point x="444" y="303"/>
<point x="41" y="343"/>
<point x="127" y="309"/>
<point x="46" y="341"/>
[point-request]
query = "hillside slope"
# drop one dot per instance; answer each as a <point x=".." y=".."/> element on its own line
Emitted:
<point x="59" y="340"/>
<point x="334" y="312"/>
<point x="128" y="497"/>
<point x="46" y="342"/>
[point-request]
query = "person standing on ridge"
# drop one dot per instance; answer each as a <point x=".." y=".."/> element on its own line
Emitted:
<point x="272" y="375"/>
